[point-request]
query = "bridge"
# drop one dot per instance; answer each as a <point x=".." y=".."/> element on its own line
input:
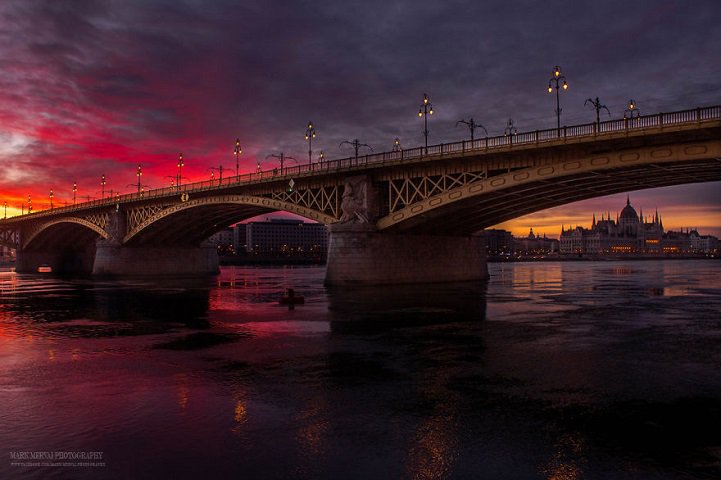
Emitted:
<point x="399" y="216"/>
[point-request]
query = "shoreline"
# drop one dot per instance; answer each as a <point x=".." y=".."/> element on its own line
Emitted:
<point x="598" y="258"/>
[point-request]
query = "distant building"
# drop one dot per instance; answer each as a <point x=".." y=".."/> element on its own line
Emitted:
<point x="498" y="242"/>
<point x="286" y="237"/>
<point x="223" y="237"/>
<point x="225" y="241"/>
<point x="534" y="244"/>
<point x="632" y="233"/>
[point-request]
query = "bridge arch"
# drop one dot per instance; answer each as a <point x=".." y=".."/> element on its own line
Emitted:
<point x="36" y="233"/>
<point x="207" y="215"/>
<point x="484" y="202"/>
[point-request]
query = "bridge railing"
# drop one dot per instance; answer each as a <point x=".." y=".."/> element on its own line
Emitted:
<point x="448" y="149"/>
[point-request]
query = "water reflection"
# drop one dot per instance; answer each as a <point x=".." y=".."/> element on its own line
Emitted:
<point x="377" y="309"/>
<point x="550" y="370"/>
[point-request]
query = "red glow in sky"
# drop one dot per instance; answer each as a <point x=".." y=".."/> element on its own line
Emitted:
<point x="92" y="88"/>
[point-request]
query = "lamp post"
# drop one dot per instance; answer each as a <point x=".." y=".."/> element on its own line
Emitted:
<point x="356" y="145"/>
<point x="597" y="105"/>
<point x="631" y="110"/>
<point x="321" y="157"/>
<point x="282" y="159"/>
<point x="556" y="78"/>
<point x="51" y="199"/>
<point x="30" y="205"/>
<point x="172" y="181"/>
<point x="219" y="169"/>
<point x="75" y="191"/>
<point x="139" y="173"/>
<point x="237" y="151"/>
<point x="310" y="135"/>
<point x="181" y="163"/>
<point x="6" y="209"/>
<point x="510" y="129"/>
<point x="472" y="126"/>
<point x="102" y="186"/>
<point x="425" y="110"/>
<point x="397" y="145"/>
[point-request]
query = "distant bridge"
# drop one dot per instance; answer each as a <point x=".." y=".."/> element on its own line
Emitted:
<point x="453" y="189"/>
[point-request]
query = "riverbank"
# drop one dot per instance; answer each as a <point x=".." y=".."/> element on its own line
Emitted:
<point x="258" y="260"/>
<point x="596" y="258"/>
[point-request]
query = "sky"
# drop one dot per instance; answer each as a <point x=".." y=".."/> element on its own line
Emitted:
<point x="97" y="87"/>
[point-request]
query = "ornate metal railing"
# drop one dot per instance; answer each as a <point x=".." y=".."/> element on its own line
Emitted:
<point x="488" y="144"/>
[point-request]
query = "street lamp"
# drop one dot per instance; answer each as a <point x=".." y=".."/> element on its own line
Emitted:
<point x="30" y="205"/>
<point x="557" y="77"/>
<point x="321" y="157"/>
<point x="139" y="173"/>
<point x="102" y="186"/>
<point x="237" y="151"/>
<point x="597" y="105"/>
<point x="6" y="209"/>
<point x="356" y="145"/>
<point x="51" y="199"/>
<point x="472" y="126"/>
<point x="282" y="159"/>
<point x="75" y="191"/>
<point x="631" y="110"/>
<point x="397" y="145"/>
<point x="425" y="110"/>
<point x="219" y="168"/>
<point x="181" y="163"/>
<point x="310" y="135"/>
<point x="510" y="129"/>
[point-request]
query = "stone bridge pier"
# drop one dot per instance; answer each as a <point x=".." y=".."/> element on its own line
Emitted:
<point x="113" y="258"/>
<point x="109" y="256"/>
<point x="360" y="254"/>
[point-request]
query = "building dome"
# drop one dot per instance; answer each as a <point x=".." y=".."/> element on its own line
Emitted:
<point x="628" y="212"/>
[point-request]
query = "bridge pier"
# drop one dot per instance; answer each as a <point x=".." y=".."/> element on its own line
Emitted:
<point x="360" y="255"/>
<point x="116" y="260"/>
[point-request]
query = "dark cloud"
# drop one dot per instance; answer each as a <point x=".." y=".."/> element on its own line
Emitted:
<point x="103" y="85"/>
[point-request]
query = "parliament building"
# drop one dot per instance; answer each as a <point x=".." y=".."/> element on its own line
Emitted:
<point x="632" y="233"/>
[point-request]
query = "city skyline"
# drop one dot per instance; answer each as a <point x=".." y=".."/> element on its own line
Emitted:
<point x="98" y="88"/>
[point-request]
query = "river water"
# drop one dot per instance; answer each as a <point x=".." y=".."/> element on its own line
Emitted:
<point x="569" y="370"/>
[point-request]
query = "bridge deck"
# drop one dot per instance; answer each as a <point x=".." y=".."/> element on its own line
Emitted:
<point x="592" y="132"/>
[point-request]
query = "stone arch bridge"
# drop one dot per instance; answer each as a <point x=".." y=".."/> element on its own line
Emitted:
<point x="401" y="216"/>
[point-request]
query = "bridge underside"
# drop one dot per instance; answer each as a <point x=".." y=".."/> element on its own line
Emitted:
<point x="465" y="217"/>
<point x="63" y="236"/>
<point x="192" y="226"/>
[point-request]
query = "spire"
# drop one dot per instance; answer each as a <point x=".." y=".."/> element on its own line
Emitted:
<point x="628" y="200"/>
<point x="640" y="215"/>
<point x="593" y="225"/>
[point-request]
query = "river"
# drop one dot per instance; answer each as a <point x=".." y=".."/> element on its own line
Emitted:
<point x="569" y="370"/>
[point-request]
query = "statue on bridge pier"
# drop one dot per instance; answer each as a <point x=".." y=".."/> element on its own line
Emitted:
<point x="357" y="204"/>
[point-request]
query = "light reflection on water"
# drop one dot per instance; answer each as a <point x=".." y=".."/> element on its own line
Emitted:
<point x="551" y="370"/>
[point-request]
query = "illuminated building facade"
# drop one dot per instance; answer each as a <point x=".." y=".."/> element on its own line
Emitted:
<point x="286" y="237"/>
<point x="632" y="233"/>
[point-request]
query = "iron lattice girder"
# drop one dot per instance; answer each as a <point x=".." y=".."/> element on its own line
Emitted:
<point x="636" y="168"/>
<point x="220" y="211"/>
<point x="407" y="191"/>
<point x="138" y="215"/>
<point x="10" y="237"/>
<point x="324" y="199"/>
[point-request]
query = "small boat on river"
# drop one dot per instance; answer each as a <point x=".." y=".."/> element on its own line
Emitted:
<point x="290" y="298"/>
